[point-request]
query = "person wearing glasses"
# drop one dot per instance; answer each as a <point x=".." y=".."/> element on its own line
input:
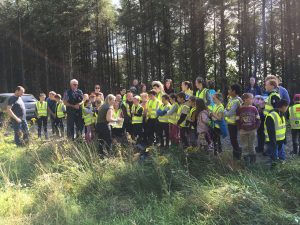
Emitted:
<point x="98" y="93"/>
<point x="73" y="99"/>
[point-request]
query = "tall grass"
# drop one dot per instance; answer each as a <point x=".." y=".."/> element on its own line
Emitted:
<point x="61" y="182"/>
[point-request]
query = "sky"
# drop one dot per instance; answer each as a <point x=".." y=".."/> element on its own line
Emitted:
<point x="116" y="2"/>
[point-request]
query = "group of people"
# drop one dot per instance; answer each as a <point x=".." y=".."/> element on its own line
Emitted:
<point x="195" y="117"/>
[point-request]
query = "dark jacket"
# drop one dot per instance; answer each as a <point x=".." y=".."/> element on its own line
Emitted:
<point x="256" y="90"/>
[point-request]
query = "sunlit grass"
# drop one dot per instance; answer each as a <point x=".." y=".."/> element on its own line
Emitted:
<point x="59" y="182"/>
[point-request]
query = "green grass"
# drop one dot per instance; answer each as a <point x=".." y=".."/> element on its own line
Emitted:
<point x="64" y="183"/>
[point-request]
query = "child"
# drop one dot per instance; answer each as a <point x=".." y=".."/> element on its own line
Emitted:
<point x="60" y="111"/>
<point x="174" y="131"/>
<point x="203" y="120"/>
<point x="42" y="115"/>
<point x="163" y="119"/>
<point x="230" y="116"/>
<point x="275" y="131"/>
<point x="217" y="116"/>
<point x="186" y="87"/>
<point x="117" y="128"/>
<point x="294" y="117"/>
<point x="87" y="115"/>
<point x="192" y="121"/>
<point x="151" y="116"/>
<point x="137" y="119"/>
<point x="248" y="120"/>
<point x="183" y="111"/>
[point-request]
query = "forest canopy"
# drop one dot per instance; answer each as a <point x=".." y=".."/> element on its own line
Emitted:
<point x="44" y="43"/>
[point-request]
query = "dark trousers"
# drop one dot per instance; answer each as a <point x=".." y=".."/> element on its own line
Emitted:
<point x="260" y="138"/>
<point x="59" y="127"/>
<point x="217" y="140"/>
<point x="117" y="132"/>
<point x="103" y="131"/>
<point x="184" y="136"/>
<point x="137" y="131"/>
<point x="151" y="130"/>
<point x="163" y="132"/>
<point x="233" y="133"/>
<point x="20" y="129"/>
<point x="74" y="119"/>
<point x="128" y="127"/>
<point x="52" y="119"/>
<point x="42" y="123"/>
<point x="296" y="141"/>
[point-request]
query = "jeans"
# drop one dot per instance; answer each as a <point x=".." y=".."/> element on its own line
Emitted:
<point x="277" y="151"/>
<point x="296" y="141"/>
<point x="20" y="128"/>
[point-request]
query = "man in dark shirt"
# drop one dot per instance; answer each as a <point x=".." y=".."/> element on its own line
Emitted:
<point x="17" y="112"/>
<point x="253" y="88"/>
<point x="73" y="99"/>
<point x="51" y="109"/>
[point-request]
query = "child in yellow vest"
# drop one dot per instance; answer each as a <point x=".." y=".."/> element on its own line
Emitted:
<point x="174" y="131"/>
<point x="42" y="115"/>
<point x="192" y="121"/>
<point x="294" y="117"/>
<point x="87" y="115"/>
<point x="163" y="122"/>
<point x="182" y="113"/>
<point x="137" y="119"/>
<point x="60" y="111"/>
<point x="117" y="127"/>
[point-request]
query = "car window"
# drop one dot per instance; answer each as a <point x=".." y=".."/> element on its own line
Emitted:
<point x="28" y="98"/>
<point x="2" y="99"/>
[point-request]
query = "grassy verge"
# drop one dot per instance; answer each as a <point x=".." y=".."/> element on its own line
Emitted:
<point x="59" y="182"/>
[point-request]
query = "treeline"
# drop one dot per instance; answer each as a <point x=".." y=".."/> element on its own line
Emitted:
<point x="44" y="43"/>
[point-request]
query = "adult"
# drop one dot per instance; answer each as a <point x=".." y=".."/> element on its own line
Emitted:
<point x="105" y="117"/>
<point x="17" y="112"/>
<point x="168" y="86"/>
<point x="284" y="94"/>
<point x="273" y="97"/>
<point x="143" y="88"/>
<point x="73" y="99"/>
<point x="98" y="93"/>
<point x="202" y="91"/>
<point x="158" y="87"/>
<point x="51" y="109"/>
<point x="135" y="89"/>
<point x="253" y="88"/>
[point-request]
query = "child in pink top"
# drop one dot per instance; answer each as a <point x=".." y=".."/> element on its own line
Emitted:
<point x="203" y="119"/>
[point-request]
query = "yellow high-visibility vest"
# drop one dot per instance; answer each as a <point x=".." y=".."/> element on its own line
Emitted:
<point x="202" y="94"/>
<point x="179" y="112"/>
<point x="217" y="109"/>
<point x="41" y="108"/>
<point x="268" y="105"/>
<point x="116" y="115"/>
<point x="87" y="117"/>
<point x="232" y="119"/>
<point x="294" y="112"/>
<point x="152" y="107"/>
<point x="165" y="118"/>
<point x="173" y="117"/>
<point x="59" y="110"/>
<point x="190" y="116"/>
<point x="136" y="119"/>
<point x="280" y="126"/>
